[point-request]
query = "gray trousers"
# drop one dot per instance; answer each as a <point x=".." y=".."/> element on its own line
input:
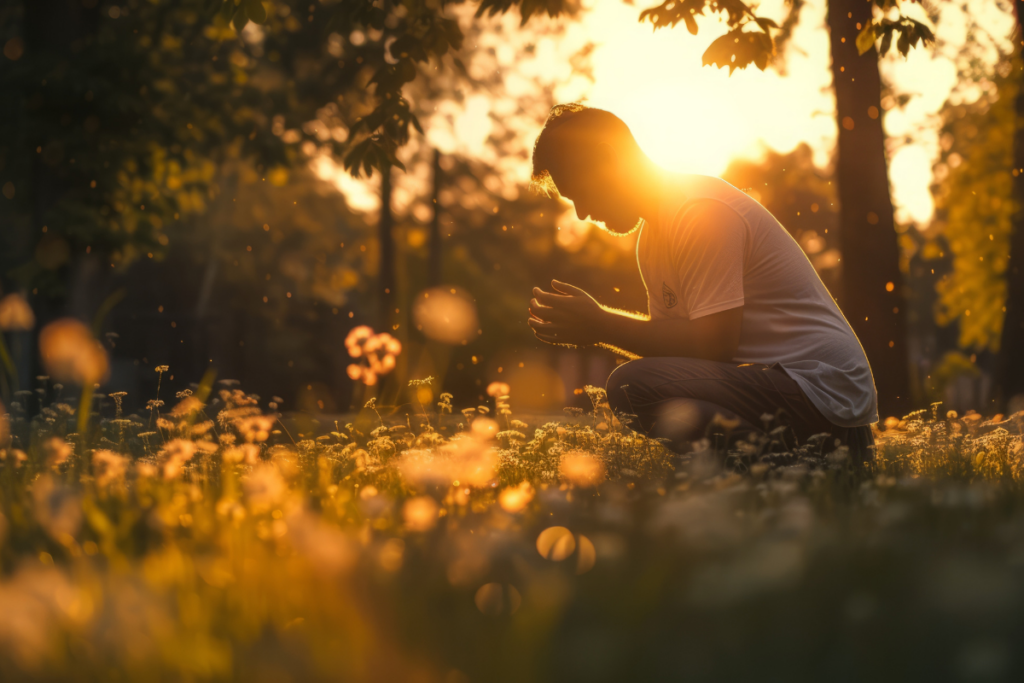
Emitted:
<point x="679" y="398"/>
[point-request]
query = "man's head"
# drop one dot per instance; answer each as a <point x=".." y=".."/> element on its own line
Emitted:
<point x="589" y="156"/>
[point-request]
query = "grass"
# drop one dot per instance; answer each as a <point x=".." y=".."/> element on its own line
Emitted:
<point x="203" y="543"/>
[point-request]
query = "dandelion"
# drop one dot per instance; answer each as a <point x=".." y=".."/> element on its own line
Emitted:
<point x="71" y="354"/>
<point x="16" y="314"/>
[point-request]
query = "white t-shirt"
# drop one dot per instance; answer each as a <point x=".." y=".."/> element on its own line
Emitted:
<point x="700" y="258"/>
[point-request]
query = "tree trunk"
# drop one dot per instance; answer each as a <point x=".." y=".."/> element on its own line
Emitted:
<point x="872" y="296"/>
<point x="386" y="271"/>
<point x="1010" y="374"/>
<point x="434" y="266"/>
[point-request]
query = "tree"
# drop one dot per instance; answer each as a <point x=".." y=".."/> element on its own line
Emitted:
<point x="1011" y="375"/>
<point x="871" y="295"/>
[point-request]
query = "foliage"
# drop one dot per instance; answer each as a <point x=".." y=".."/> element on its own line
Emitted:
<point x="201" y="541"/>
<point x="911" y="31"/>
<point x="133" y="120"/>
<point x="975" y="204"/>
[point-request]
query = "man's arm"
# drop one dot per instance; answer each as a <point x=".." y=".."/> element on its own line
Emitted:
<point x="571" y="316"/>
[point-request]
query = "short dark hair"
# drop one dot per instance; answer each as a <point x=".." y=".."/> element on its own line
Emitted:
<point x="566" y="128"/>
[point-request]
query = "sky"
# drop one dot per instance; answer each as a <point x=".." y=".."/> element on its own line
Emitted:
<point x="693" y="118"/>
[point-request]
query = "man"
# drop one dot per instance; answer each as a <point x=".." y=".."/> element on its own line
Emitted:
<point x="739" y="322"/>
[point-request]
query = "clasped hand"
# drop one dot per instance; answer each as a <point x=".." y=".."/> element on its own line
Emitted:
<point x="568" y="315"/>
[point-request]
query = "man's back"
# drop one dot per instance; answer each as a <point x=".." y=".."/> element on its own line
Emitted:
<point x="713" y="248"/>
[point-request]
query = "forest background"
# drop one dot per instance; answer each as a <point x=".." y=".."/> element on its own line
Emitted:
<point x="181" y="174"/>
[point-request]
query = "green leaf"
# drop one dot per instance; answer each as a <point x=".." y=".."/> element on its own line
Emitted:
<point x="886" y="41"/>
<point x="866" y="38"/>
<point x="737" y="49"/>
<point x="256" y="11"/>
<point x="903" y="43"/>
<point x="240" y="19"/>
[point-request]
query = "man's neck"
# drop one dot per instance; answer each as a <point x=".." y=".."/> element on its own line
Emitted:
<point x="652" y="184"/>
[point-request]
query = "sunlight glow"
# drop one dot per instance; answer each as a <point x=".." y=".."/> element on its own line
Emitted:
<point x="688" y="117"/>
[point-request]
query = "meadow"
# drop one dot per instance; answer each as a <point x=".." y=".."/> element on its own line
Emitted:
<point x="215" y="537"/>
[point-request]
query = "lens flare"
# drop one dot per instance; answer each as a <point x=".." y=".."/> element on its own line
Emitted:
<point x="420" y="513"/>
<point x="582" y="469"/>
<point x="446" y="315"/>
<point x="515" y="498"/>
<point x="556" y="543"/>
<point x="495" y="599"/>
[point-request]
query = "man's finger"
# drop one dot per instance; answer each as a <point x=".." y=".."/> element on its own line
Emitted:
<point x="535" y="304"/>
<point x="567" y="289"/>
<point x="546" y="325"/>
<point x="547" y="298"/>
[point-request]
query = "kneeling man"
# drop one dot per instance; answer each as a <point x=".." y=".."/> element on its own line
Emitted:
<point x="739" y="322"/>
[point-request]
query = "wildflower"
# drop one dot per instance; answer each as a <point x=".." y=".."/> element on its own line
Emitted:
<point x="377" y="350"/>
<point x="420" y="513"/>
<point x="264" y="488"/>
<point x="249" y="453"/>
<point x="496" y="389"/>
<point x="56" y="451"/>
<point x="146" y="470"/>
<point x="108" y="467"/>
<point x="255" y="428"/>
<point x="175" y="454"/>
<point x="71" y="354"/>
<point x="15" y="314"/>
<point x="56" y="508"/>
<point x="329" y="550"/>
<point x="515" y="498"/>
<point x="582" y="469"/>
<point x="422" y="468"/>
<point x="187" y="406"/>
<point x="202" y="428"/>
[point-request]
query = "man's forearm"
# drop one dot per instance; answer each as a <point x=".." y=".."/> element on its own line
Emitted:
<point x="709" y="338"/>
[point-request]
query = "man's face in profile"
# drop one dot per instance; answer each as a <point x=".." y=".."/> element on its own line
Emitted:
<point x="599" y="192"/>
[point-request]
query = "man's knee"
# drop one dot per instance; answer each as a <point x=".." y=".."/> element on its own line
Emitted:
<point x="623" y="378"/>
